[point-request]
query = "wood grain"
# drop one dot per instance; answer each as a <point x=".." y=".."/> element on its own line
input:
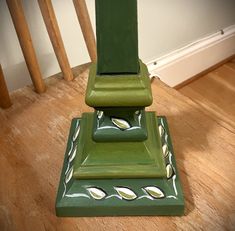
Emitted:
<point x="215" y="93"/>
<point x="203" y="73"/>
<point x="86" y="27"/>
<point x="33" y="138"/>
<point x="5" y="101"/>
<point x="55" y="37"/>
<point x="22" y="30"/>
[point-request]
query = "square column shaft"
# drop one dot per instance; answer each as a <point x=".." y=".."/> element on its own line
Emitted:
<point x="117" y="36"/>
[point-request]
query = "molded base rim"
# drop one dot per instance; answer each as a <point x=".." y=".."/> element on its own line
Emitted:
<point x="121" y="197"/>
<point x="136" y="159"/>
<point x="119" y="90"/>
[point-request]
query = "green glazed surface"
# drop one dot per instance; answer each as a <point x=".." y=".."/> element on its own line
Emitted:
<point x="119" y="124"/>
<point x="119" y="197"/>
<point x="117" y="37"/>
<point x="119" y="90"/>
<point x="118" y="159"/>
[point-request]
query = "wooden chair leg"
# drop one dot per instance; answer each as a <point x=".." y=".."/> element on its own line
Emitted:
<point x="85" y="23"/>
<point x="55" y="37"/>
<point x="21" y="27"/>
<point x="5" y="101"/>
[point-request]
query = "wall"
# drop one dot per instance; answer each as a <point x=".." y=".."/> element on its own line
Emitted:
<point x="164" y="25"/>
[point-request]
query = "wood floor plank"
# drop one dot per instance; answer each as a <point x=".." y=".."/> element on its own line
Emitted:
<point x="215" y="93"/>
<point x="33" y="136"/>
<point x="231" y="64"/>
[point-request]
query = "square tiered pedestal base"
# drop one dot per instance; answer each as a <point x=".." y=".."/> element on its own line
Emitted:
<point x="126" y="159"/>
<point x="119" y="197"/>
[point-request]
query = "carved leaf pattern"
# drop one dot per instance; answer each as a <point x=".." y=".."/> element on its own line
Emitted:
<point x="165" y="150"/>
<point x="73" y="154"/>
<point x="96" y="193"/>
<point x="120" y="123"/>
<point x="69" y="175"/>
<point x="161" y="130"/>
<point x="137" y="112"/>
<point x="100" y="114"/>
<point x="77" y="131"/>
<point x="125" y="193"/>
<point x="169" y="171"/>
<point x="71" y="149"/>
<point x="154" y="192"/>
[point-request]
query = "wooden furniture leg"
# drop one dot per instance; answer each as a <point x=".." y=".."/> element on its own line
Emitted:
<point x="85" y="23"/>
<point x="55" y="37"/>
<point x="5" y="101"/>
<point x="21" y="27"/>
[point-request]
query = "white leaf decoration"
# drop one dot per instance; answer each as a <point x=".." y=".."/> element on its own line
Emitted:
<point x="165" y="150"/>
<point x="75" y="136"/>
<point x="77" y="123"/>
<point x="71" y="149"/>
<point x="139" y="119"/>
<point x="137" y="112"/>
<point x="169" y="171"/>
<point x="154" y="192"/>
<point x="73" y="154"/>
<point x="69" y="175"/>
<point x="161" y="130"/>
<point x="100" y="114"/>
<point x="125" y="193"/>
<point x="120" y="123"/>
<point x="67" y="169"/>
<point x="96" y="193"/>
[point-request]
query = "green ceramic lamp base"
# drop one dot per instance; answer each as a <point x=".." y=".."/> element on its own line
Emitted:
<point x="126" y="159"/>
<point x="119" y="197"/>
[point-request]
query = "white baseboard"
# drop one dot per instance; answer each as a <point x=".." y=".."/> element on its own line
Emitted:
<point x="186" y="62"/>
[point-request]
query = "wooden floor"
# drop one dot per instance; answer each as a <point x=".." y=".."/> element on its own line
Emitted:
<point x="215" y="93"/>
<point x="33" y="135"/>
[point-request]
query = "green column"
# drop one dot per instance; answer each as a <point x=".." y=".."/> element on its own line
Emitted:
<point x="117" y="46"/>
<point x="118" y="86"/>
<point x="119" y="159"/>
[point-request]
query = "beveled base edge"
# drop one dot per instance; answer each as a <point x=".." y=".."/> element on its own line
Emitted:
<point x="125" y="160"/>
<point x="109" y="124"/>
<point x="122" y="197"/>
<point x="119" y="90"/>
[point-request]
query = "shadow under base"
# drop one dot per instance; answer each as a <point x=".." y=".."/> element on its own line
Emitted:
<point x="119" y="197"/>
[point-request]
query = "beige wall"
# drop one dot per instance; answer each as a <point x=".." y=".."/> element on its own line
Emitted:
<point x="164" y="25"/>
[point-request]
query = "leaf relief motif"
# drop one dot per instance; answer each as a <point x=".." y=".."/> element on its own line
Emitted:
<point x="69" y="175"/>
<point x="161" y="130"/>
<point x="169" y="171"/>
<point x="73" y="154"/>
<point x="126" y="193"/>
<point x="154" y="192"/>
<point x="96" y="193"/>
<point x="100" y="114"/>
<point x="77" y="131"/>
<point x="165" y="150"/>
<point x="120" y="123"/>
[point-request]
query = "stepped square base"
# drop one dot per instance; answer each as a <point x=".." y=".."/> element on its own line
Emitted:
<point x="119" y="197"/>
<point x="117" y="159"/>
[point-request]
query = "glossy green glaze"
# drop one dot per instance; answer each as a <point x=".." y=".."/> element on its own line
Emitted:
<point x="119" y="197"/>
<point x="118" y="159"/>
<point x="119" y="124"/>
<point x="117" y="38"/>
<point x="119" y="90"/>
